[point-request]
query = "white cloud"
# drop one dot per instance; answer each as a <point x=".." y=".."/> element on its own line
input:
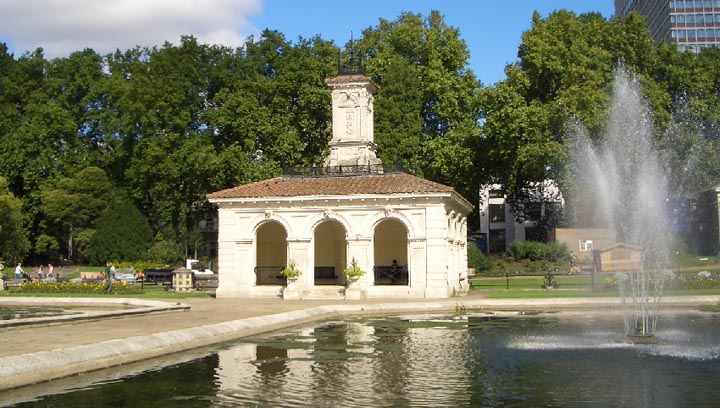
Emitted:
<point x="63" y="26"/>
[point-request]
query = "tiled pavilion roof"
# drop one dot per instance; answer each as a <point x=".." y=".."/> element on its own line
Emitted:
<point x="289" y="186"/>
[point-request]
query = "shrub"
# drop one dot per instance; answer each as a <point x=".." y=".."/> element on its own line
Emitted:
<point x="476" y="259"/>
<point x="538" y="251"/>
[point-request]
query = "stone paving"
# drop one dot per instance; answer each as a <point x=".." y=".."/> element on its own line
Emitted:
<point x="31" y="354"/>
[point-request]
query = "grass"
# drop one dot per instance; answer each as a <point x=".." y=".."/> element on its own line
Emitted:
<point x="568" y="286"/>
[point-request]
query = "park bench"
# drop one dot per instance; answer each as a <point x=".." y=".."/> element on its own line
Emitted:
<point x="325" y="272"/>
<point x="396" y="275"/>
<point x="269" y="275"/>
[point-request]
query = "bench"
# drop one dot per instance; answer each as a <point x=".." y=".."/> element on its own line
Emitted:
<point x="269" y="275"/>
<point x="325" y="272"/>
<point x="397" y="275"/>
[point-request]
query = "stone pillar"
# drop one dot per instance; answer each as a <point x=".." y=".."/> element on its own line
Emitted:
<point x="354" y="289"/>
<point x="236" y="272"/>
<point x="293" y="290"/>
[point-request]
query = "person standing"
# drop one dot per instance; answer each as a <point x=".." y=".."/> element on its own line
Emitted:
<point x="18" y="273"/>
<point x="50" y="271"/>
<point x="39" y="272"/>
<point x="108" y="278"/>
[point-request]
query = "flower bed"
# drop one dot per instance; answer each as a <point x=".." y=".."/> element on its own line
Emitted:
<point x="118" y="287"/>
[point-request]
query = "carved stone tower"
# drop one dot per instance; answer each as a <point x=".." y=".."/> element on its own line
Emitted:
<point x="352" y="142"/>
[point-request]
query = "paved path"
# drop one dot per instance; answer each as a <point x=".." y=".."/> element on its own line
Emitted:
<point x="29" y="354"/>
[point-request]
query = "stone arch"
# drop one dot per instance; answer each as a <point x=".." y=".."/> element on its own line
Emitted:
<point x="329" y="252"/>
<point x="326" y="215"/>
<point x="388" y="213"/>
<point x="270" y="252"/>
<point x="268" y="216"/>
<point x="391" y="252"/>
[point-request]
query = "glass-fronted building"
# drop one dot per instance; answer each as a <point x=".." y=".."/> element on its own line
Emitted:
<point x="691" y="24"/>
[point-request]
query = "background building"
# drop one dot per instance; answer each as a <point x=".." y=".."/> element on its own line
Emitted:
<point x="691" y="24"/>
<point x="500" y="227"/>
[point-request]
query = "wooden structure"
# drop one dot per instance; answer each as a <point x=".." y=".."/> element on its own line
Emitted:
<point x="619" y="257"/>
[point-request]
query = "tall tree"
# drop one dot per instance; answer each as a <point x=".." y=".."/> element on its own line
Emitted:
<point x="14" y="242"/>
<point x="169" y="177"/>
<point x="278" y="109"/>
<point x="428" y="97"/>
<point x="74" y="204"/>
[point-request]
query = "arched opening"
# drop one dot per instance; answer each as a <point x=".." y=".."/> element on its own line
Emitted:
<point x="391" y="253"/>
<point x="330" y="253"/>
<point x="271" y="252"/>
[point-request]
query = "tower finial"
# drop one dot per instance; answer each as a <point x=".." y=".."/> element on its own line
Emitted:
<point x="353" y="65"/>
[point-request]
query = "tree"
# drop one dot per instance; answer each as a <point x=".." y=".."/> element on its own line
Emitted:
<point x="427" y="102"/>
<point x="169" y="177"/>
<point x="75" y="203"/>
<point x="564" y="74"/>
<point x="14" y="242"/>
<point x="277" y="108"/>
<point x="165" y="252"/>
<point x="121" y="234"/>
<point x="517" y="150"/>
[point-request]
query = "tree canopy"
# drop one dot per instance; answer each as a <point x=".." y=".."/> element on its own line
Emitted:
<point x="164" y="126"/>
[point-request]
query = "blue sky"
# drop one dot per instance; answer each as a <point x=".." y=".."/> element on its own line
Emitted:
<point x="492" y="29"/>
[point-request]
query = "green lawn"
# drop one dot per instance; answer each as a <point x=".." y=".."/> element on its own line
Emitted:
<point x="568" y="286"/>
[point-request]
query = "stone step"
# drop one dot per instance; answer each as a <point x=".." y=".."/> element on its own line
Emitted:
<point x="325" y="292"/>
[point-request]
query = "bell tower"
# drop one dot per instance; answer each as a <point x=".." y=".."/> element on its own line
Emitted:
<point x="352" y="141"/>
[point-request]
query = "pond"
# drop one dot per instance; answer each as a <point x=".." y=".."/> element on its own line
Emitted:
<point x="16" y="312"/>
<point x="468" y="360"/>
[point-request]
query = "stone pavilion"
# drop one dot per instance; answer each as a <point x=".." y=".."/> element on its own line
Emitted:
<point x="408" y="234"/>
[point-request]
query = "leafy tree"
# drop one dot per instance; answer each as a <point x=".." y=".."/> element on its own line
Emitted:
<point x="169" y="177"/>
<point x="516" y="150"/>
<point x="75" y="203"/>
<point x="121" y="234"/>
<point x="564" y="74"/>
<point x="277" y="108"/>
<point x="14" y="242"/>
<point x="165" y="252"/>
<point x="427" y="103"/>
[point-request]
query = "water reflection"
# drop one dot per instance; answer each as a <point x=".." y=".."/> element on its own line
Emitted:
<point x="459" y="360"/>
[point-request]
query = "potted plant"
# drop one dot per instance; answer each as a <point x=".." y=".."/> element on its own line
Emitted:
<point x="291" y="272"/>
<point x="353" y="272"/>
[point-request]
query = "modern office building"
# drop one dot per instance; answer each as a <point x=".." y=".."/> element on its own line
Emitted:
<point x="499" y="227"/>
<point x="691" y="24"/>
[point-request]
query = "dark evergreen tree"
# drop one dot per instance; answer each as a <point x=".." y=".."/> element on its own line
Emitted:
<point x="122" y="234"/>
